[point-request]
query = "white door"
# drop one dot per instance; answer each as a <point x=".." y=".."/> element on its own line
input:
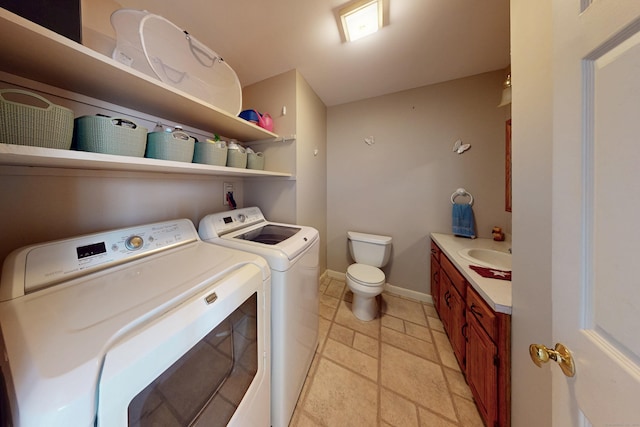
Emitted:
<point x="596" y="210"/>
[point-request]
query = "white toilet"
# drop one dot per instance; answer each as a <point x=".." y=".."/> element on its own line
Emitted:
<point x="364" y="278"/>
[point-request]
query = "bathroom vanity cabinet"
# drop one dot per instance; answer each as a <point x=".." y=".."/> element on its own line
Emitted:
<point x="479" y="336"/>
<point x="453" y="293"/>
<point x="435" y="275"/>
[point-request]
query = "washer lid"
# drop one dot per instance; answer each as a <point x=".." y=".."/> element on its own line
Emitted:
<point x="365" y="273"/>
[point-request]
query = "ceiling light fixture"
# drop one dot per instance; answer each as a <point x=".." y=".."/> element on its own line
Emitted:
<point x="362" y="18"/>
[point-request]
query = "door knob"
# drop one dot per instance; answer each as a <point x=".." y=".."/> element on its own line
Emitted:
<point x="541" y="354"/>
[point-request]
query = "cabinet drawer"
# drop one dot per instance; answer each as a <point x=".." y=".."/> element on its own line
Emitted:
<point x="456" y="278"/>
<point x="435" y="251"/>
<point x="486" y="317"/>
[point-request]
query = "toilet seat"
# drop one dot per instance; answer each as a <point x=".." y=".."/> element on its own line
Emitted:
<point x="366" y="275"/>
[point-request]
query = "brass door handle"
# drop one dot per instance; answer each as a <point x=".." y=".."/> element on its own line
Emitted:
<point x="541" y="354"/>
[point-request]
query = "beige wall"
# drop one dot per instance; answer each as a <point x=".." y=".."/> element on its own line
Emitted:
<point x="41" y="205"/>
<point x="303" y="199"/>
<point x="531" y="30"/>
<point x="276" y="198"/>
<point x="401" y="185"/>
<point x="311" y="162"/>
<point x="97" y="31"/>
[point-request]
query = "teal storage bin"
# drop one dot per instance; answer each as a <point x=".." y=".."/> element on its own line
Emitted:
<point x="210" y="153"/>
<point x="109" y="135"/>
<point x="236" y="155"/>
<point x="177" y="146"/>
<point x="255" y="161"/>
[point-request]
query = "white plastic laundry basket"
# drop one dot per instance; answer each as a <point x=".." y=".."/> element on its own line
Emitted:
<point x="155" y="46"/>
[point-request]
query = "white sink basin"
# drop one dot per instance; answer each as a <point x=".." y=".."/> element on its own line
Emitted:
<point x="487" y="258"/>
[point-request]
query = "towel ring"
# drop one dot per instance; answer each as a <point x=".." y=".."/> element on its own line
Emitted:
<point x="461" y="192"/>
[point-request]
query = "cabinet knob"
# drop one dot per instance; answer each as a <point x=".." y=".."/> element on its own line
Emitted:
<point x="541" y="354"/>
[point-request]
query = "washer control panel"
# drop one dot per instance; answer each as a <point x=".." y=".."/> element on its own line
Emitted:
<point x="50" y="263"/>
<point x="225" y="222"/>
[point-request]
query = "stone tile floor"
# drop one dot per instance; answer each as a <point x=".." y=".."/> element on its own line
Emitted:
<point x="397" y="370"/>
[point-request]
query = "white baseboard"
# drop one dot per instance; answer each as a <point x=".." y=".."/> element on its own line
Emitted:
<point x="408" y="293"/>
<point x="395" y="290"/>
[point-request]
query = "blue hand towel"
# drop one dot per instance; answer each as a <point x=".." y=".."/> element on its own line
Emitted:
<point x="462" y="221"/>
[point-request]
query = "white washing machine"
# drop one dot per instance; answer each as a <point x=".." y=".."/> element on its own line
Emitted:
<point x="292" y="252"/>
<point x="142" y="326"/>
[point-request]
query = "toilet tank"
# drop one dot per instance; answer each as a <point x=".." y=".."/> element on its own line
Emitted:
<point x="369" y="249"/>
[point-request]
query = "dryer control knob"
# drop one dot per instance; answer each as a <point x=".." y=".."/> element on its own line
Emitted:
<point x="134" y="242"/>
<point x="242" y="218"/>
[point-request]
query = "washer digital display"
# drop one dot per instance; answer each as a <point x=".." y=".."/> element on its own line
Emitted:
<point x="91" y="250"/>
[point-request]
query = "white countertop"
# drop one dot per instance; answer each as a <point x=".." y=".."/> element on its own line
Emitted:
<point x="496" y="292"/>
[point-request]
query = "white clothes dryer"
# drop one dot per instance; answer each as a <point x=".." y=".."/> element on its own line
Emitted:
<point x="292" y="252"/>
<point x="141" y="326"/>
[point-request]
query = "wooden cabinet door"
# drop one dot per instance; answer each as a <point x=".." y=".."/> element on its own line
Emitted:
<point x="452" y="314"/>
<point x="481" y="370"/>
<point x="457" y="322"/>
<point x="435" y="282"/>
<point x="444" y="309"/>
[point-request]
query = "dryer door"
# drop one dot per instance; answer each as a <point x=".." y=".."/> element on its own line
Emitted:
<point x="202" y="363"/>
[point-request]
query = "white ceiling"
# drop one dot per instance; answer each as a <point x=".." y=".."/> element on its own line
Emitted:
<point x="426" y="41"/>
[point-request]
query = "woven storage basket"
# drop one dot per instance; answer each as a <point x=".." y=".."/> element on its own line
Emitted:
<point x="237" y="158"/>
<point x="210" y="153"/>
<point x="22" y="124"/>
<point x="109" y="135"/>
<point x="255" y="161"/>
<point x="176" y="145"/>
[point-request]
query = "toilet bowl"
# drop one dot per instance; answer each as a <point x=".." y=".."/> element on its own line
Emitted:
<point x="366" y="282"/>
<point x="364" y="278"/>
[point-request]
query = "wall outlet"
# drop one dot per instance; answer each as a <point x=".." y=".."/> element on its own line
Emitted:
<point x="227" y="187"/>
